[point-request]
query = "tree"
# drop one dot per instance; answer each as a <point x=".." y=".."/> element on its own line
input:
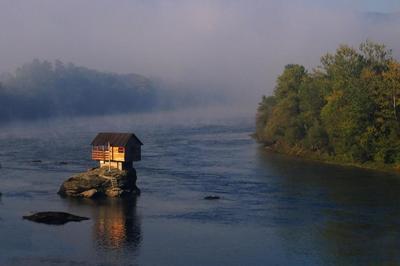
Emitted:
<point x="348" y="108"/>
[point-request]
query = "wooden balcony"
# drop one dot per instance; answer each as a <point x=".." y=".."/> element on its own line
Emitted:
<point x="100" y="155"/>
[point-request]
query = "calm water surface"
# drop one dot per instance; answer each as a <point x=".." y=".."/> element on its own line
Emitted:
<point x="274" y="210"/>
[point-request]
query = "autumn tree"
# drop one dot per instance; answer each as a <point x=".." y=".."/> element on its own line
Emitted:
<point x="346" y="109"/>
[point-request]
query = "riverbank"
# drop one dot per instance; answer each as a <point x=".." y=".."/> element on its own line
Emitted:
<point x="299" y="152"/>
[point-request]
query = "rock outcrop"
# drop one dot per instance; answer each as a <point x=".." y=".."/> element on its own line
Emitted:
<point x="55" y="218"/>
<point x="99" y="182"/>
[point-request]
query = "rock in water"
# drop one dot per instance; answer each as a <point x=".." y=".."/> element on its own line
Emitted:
<point x="91" y="193"/>
<point x="55" y="218"/>
<point x="212" y="197"/>
<point x="101" y="182"/>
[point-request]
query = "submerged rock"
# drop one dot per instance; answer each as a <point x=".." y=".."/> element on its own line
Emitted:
<point x="101" y="182"/>
<point x="56" y="218"/>
<point x="212" y="197"/>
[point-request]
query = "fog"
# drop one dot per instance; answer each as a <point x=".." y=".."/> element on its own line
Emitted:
<point x="236" y="47"/>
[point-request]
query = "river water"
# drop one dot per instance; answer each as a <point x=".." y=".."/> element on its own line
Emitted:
<point x="274" y="210"/>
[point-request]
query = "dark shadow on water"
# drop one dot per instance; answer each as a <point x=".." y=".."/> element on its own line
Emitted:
<point x="348" y="186"/>
<point x="348" y="215"/>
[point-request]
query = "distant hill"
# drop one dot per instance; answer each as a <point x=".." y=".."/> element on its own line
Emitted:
<point x="41" y="89"/>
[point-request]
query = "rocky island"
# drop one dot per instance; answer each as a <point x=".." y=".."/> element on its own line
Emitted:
<point x="115" y="176"/>
<point x="101" y="182"/>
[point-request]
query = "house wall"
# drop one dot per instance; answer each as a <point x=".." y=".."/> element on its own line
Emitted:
<point x="119" y="165"/>
<point x="112" y="164"/>
<point x="133" y="152"/>
<point x="114" y="155"/>
<point x="117" y="156"/>
<point x="129" y="154"/>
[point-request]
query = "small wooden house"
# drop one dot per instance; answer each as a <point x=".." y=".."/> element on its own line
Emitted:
<point x="118" y="150"/>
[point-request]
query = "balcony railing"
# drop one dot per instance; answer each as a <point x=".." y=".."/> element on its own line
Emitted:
<point x="100" y="155"/>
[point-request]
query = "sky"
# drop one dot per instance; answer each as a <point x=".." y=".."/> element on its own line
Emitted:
<point x="234" y="46"/>
<point x="358" y="5"/>
<point x="381" y="6"/>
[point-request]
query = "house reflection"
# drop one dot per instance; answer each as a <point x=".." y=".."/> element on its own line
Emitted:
<point x="117" y="224"/>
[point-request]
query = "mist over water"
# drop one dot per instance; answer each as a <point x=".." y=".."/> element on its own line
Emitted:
<point x="236" y="47"/>
<point x="186" y="117"/>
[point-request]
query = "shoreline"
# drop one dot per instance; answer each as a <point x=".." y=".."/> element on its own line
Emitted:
<point x="310" y="156"/>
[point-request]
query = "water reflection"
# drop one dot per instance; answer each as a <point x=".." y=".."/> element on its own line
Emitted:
<point x="116" y="224"/>
<point x="342" y="214"/>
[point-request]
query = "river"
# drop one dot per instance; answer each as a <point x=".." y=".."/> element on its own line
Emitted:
<point x="274" y="209"/>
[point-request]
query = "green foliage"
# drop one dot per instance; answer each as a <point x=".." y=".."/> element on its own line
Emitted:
<point x="347" y="109"/>
<point x="278" y="116"/>
<point x="264" y="114"/>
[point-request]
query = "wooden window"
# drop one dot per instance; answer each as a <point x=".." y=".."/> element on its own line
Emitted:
<point x="120" y="149"/>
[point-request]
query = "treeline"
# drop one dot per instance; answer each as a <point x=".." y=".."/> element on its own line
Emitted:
<point x="346" y="110"/>
<point x="42" y="89"/>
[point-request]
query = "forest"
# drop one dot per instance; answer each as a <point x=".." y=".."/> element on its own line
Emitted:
<point x="41" y="89"/>
<point x="344" y="111"/>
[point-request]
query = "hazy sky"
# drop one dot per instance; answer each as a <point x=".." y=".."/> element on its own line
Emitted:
<point x="234" y="45"/>
<point x="381" y="6"/>
<point x="358" y="5"/>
